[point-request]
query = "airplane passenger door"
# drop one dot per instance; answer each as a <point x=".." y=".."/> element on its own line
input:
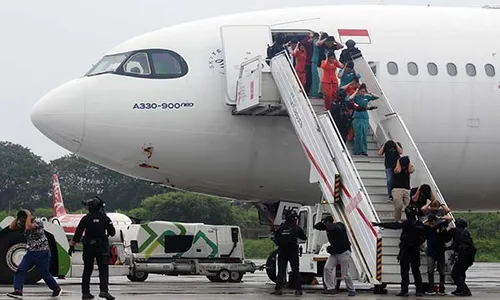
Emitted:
<point x="240" y="43"/>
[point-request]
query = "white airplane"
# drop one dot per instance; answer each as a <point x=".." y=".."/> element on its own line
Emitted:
<point x="69" y="222"/>
<point x="156" y="106"/>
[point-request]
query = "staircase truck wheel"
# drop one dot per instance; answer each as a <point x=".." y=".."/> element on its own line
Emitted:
<point x="138" y="276"/>
<point x="213" y="278"/>
<point x="307" y="278"/>
<point x="236" y="276"/>
<point x="12" y="250"/>
<point x="223" y="275"/>
<point x="271" y="266"/>
<point x="380" y="289"/>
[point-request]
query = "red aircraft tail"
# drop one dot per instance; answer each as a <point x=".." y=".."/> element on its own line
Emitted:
<point x="57" y="200"/>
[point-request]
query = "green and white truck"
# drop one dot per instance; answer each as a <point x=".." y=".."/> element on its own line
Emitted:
<point x="214" y="251"/>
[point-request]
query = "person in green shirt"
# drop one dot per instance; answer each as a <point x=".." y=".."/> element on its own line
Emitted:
<point x="361" y="98"/>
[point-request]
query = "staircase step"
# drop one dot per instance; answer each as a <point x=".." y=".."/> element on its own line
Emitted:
<point x="377" y="158"/>
<point x="370" y="166"/>
<point x="371" y="173"/>
<point x="379" y="198"/>
<point x="376" y="188"/>
<point x="374" y="181"/>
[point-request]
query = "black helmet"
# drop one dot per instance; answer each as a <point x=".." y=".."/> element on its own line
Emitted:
<point x="411" y="210"/>
<point x="350" y="43"/>
<point x="461" y="223"/>
<point x="290" y="215"/>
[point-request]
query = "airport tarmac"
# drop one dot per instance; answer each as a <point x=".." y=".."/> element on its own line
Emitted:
<point x="484" y="282"/>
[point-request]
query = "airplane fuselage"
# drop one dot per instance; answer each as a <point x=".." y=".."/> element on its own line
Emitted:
<point x="194" y="143"/>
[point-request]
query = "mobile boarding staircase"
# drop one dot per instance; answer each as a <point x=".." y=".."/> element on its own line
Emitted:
<point x="363" y="185"/>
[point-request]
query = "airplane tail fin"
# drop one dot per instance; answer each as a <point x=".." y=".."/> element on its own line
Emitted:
<point x="57" y="200"/>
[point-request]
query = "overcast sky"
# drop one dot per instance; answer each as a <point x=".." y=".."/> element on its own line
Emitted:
<point x="46" y="43"/>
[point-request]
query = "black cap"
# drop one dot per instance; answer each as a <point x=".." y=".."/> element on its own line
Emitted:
<point x="328" y="219"/>
<point x="411" y="210"/>
<point x="432" y="217"/>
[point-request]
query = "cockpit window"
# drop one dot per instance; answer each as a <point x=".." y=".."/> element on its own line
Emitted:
<point x="167" y="64"/>
<point x="138" y="64"/>
<point x="108" y="64"/>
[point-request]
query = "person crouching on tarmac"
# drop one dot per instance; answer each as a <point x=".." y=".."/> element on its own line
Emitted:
<point x="95" y="224"/>
<point x="465" y="252"/>
<point x="340" y="252"/>
<point x="37" y="254"/>
<point x="412" y="237"/>
<point x="285" y="238"/>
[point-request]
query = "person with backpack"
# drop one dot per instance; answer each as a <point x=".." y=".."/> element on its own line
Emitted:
<point x="437" y="237"/>
<point x="340" y="252"/>
<point x="286" y="238"/>
<point x="392" y="152"/>
<point x="465" y="252"/>
<point x="350" y="52"/>
<point x="401" y="185"/>
<point x="413" y="235"/>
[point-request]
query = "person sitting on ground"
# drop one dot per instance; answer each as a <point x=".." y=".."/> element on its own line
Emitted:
<point x="435" y="207"/>
<point x="360" y="118"/>
<point x="392" y="152"/>
<point x="348" y="53"/>
<point x="300" y="55"/>
<point x="347" y="74"/>
<point x="329" y="80"/>
<point x="401" y="185"/>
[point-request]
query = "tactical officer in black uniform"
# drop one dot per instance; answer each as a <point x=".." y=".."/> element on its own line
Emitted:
<point x="412" y="237"/>
<point x="465" y="252"/>
<point x="288" y="251"/>
<point x="97" y="227"/>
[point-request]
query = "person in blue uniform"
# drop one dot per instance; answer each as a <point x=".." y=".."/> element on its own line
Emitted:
<point x="347" y="74"/>
<point x="360" y="118"/>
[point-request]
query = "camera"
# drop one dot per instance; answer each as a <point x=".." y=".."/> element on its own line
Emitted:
<point x="94" y="203"/>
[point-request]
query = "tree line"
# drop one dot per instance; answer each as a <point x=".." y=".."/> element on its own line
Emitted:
<point x="25" y="182"/>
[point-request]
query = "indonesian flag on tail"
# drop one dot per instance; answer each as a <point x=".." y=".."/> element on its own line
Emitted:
<point x="360" y="36"/>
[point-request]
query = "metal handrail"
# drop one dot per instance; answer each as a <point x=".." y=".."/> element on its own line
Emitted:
<point x="389" y="114"/>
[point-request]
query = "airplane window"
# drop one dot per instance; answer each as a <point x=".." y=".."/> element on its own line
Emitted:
<point x="107" y="64"/>
<point x="412" y="68"/>
<point x="392" y="68"/>
<point x="168" y="64"/>
<point x="432" y="68"/>
<point x="138" y="64"/>
<point x="490" y="70"/>
<point x="452" y="69"/>
<point x="470" y="69"/>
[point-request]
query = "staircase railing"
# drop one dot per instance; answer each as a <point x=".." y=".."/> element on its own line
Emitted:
<point x="386" y="124"/>
<point x="355" y="209"/>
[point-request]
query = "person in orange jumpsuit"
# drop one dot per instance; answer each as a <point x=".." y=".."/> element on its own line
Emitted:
<point x="300" y="55"/>
<point x="329" y="81"/>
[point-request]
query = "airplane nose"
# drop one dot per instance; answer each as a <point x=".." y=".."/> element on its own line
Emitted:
<point x="60" y="115"/>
